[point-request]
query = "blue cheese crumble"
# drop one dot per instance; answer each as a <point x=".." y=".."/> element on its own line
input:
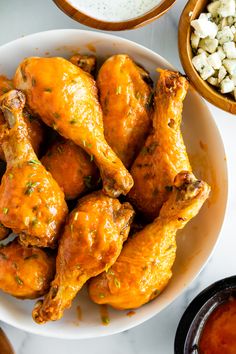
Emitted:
<point x="213" y="43"/>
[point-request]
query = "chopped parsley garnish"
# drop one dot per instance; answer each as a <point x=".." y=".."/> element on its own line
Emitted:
<point x="99" y="180"/>
<point x="30" y="186"/>
<point x="118" y="90"/>
<point x="60" y="149"/>
<point x="33" y="81"/>
<point x="54" y="126"/>
<point x="149" y="149"/>
<point x="149" y="102"/>
<point x="5" y="210"/>
<point x="109" y="271"/>
<point x="152" y="147"/>
<point x="3" y="256"/>
<point x="105" y="320"/>
<point x="116" y="282"/>
<point x="88" y="181"/>
<point x="34" y="222"/>
<point x="56" y="115"/>
<point x="18" y="280"/>
<point x="144" y="150"/>
<point x="87" y="144"/>
<point x="48" y="89"/>
<point x="29" y="116"/>
<point x="34" y="162"/>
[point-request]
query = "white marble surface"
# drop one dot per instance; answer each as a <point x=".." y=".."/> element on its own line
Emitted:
<point x="22" y="17"/>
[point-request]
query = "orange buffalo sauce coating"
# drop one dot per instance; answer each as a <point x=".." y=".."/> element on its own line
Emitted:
<point x="219" y="333"/>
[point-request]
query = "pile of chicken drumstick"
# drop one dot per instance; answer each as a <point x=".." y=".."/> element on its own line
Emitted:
<point x="108" y="137"/>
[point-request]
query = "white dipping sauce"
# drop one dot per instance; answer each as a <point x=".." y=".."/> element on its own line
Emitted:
<point x="114" y="10"/>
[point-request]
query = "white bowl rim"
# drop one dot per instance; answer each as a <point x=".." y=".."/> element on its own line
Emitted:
<point x="120" y="328"/>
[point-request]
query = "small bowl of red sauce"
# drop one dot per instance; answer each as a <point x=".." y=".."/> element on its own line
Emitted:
<point x="208" y="326"/>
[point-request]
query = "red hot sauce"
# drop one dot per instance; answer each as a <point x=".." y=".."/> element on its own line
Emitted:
<point x="219" y="333"/>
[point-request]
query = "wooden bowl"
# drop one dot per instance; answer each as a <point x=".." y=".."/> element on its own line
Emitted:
<point x="191" y="11"/>
<point x="83" y="18"/>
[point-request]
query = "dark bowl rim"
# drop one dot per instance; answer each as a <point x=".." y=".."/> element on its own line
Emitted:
<point x="195" y="306"/>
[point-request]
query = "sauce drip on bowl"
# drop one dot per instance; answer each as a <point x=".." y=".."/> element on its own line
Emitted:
<point x="219" y="334"/>
<point x="104" y="315"/>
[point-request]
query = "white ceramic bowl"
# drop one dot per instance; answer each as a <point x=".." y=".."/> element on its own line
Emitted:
<point x="206" y="151"/>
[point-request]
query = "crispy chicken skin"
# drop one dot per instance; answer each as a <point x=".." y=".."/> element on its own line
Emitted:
<point x="87" y="63"/>
<point x="164" y="154"/>
<point x="71" y="167"/>
<point x="31" y="202"/>
<point x="35" y="129"/>
<point x="125" y="96"/>
<point x="91" y="242"/>
<point x="25" y="272"/>
<point x="65" y="97"/>
<point x="143" y="268"/>
<point x="34" y="126"/>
